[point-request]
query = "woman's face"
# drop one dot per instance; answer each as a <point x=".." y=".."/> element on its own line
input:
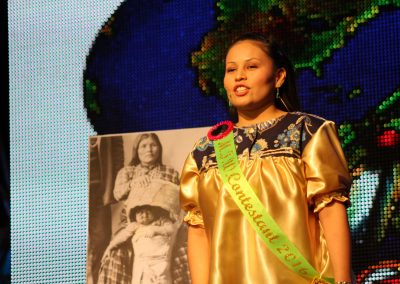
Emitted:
<point x="148" y="151"/>
<point x="250" y="79"/>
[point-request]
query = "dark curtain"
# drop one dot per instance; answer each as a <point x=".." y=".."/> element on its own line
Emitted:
<point x="106" y="158"/>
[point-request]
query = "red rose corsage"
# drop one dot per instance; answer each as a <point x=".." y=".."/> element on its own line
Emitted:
<point x="220" y="130"/>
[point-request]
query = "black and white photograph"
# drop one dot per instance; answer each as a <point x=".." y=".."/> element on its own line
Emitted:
<point x="136" y="230"/>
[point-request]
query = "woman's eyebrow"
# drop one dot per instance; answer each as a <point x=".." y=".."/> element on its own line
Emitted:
<point x="245" y="60"/>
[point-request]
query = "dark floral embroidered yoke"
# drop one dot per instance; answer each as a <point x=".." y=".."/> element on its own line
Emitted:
<point x="286" y="136"/>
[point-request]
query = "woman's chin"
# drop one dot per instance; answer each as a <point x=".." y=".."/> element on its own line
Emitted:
<point x="256" y="107"/>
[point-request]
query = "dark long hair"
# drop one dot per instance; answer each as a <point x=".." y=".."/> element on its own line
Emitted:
<point x="289" y="99"/>
<point x="135" y="156"/>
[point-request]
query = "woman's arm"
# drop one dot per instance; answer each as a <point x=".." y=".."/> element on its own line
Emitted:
<point x="122" y="183"/>
<point x="198" y="254"/>
<point x="337" y="234"/>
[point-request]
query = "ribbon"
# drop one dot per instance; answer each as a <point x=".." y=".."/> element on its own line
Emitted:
<point x="251" y="206"/>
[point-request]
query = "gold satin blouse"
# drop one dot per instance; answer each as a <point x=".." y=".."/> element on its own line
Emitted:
<point x="296" y="166"/>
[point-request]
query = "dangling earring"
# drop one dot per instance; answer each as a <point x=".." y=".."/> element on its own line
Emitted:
<point x="278" y="97"/>
<point x="229" y="104"/>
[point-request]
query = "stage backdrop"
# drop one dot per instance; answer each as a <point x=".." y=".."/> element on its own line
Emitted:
<point x="80" y="68"/>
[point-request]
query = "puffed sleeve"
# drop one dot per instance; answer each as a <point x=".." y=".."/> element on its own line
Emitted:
<point x="189" y="193"/>
<point x="326" y="168"/>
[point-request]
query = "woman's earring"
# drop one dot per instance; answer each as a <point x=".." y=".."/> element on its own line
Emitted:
<point x="278" y="97"/>
<point x="229" y="104"/>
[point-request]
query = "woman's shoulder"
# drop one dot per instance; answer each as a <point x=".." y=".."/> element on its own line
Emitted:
<point x="127" y="169"/>
<point x="168" y="173"/>
<point x="202" y="150"/>
<point x="167" y="169"/>
<point x="309" y="122"/>
<point x="203" y="147"/>
<point x="202" y="144"/>
<point x="307" y="117"/>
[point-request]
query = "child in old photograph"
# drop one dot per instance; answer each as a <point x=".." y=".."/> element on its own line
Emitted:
<point x="152" y="234"/>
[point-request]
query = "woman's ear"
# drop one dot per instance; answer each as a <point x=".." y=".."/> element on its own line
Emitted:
<point x="280" y="77"/>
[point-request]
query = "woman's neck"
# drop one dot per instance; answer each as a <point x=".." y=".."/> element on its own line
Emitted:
<point x="148" y="165"/>
<point x="252" y="117"/>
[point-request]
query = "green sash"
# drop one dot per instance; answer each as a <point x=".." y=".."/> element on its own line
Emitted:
<point x="252" y="208"/>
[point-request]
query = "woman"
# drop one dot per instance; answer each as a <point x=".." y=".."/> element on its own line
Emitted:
<point x="294" y="164"/>
<point x="146" y="165"/>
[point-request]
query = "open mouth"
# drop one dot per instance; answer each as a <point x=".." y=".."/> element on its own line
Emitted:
<point x="241" y="90"/>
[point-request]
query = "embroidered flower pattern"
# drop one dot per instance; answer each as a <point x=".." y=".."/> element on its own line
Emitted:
<point x="249" y="132"/>
<point x="284" y="136"/>
<point x="289" y="138"/>
<point x="203" y="144"/>
<point x="259" y="145"/>
<point x="208" y="162"/>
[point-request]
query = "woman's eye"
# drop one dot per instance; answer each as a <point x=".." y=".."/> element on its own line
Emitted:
<point x="228" y="70"/>
<point x="252" y="66"/>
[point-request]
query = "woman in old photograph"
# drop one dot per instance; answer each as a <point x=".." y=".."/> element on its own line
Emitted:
<point x="135" y="184"/>
<point x="146" y="164"/>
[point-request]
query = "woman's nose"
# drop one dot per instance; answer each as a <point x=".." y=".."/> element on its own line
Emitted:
<point x="240" y="75"/>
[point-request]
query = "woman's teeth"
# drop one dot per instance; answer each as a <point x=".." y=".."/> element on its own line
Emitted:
<point x="241" y="90"/>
